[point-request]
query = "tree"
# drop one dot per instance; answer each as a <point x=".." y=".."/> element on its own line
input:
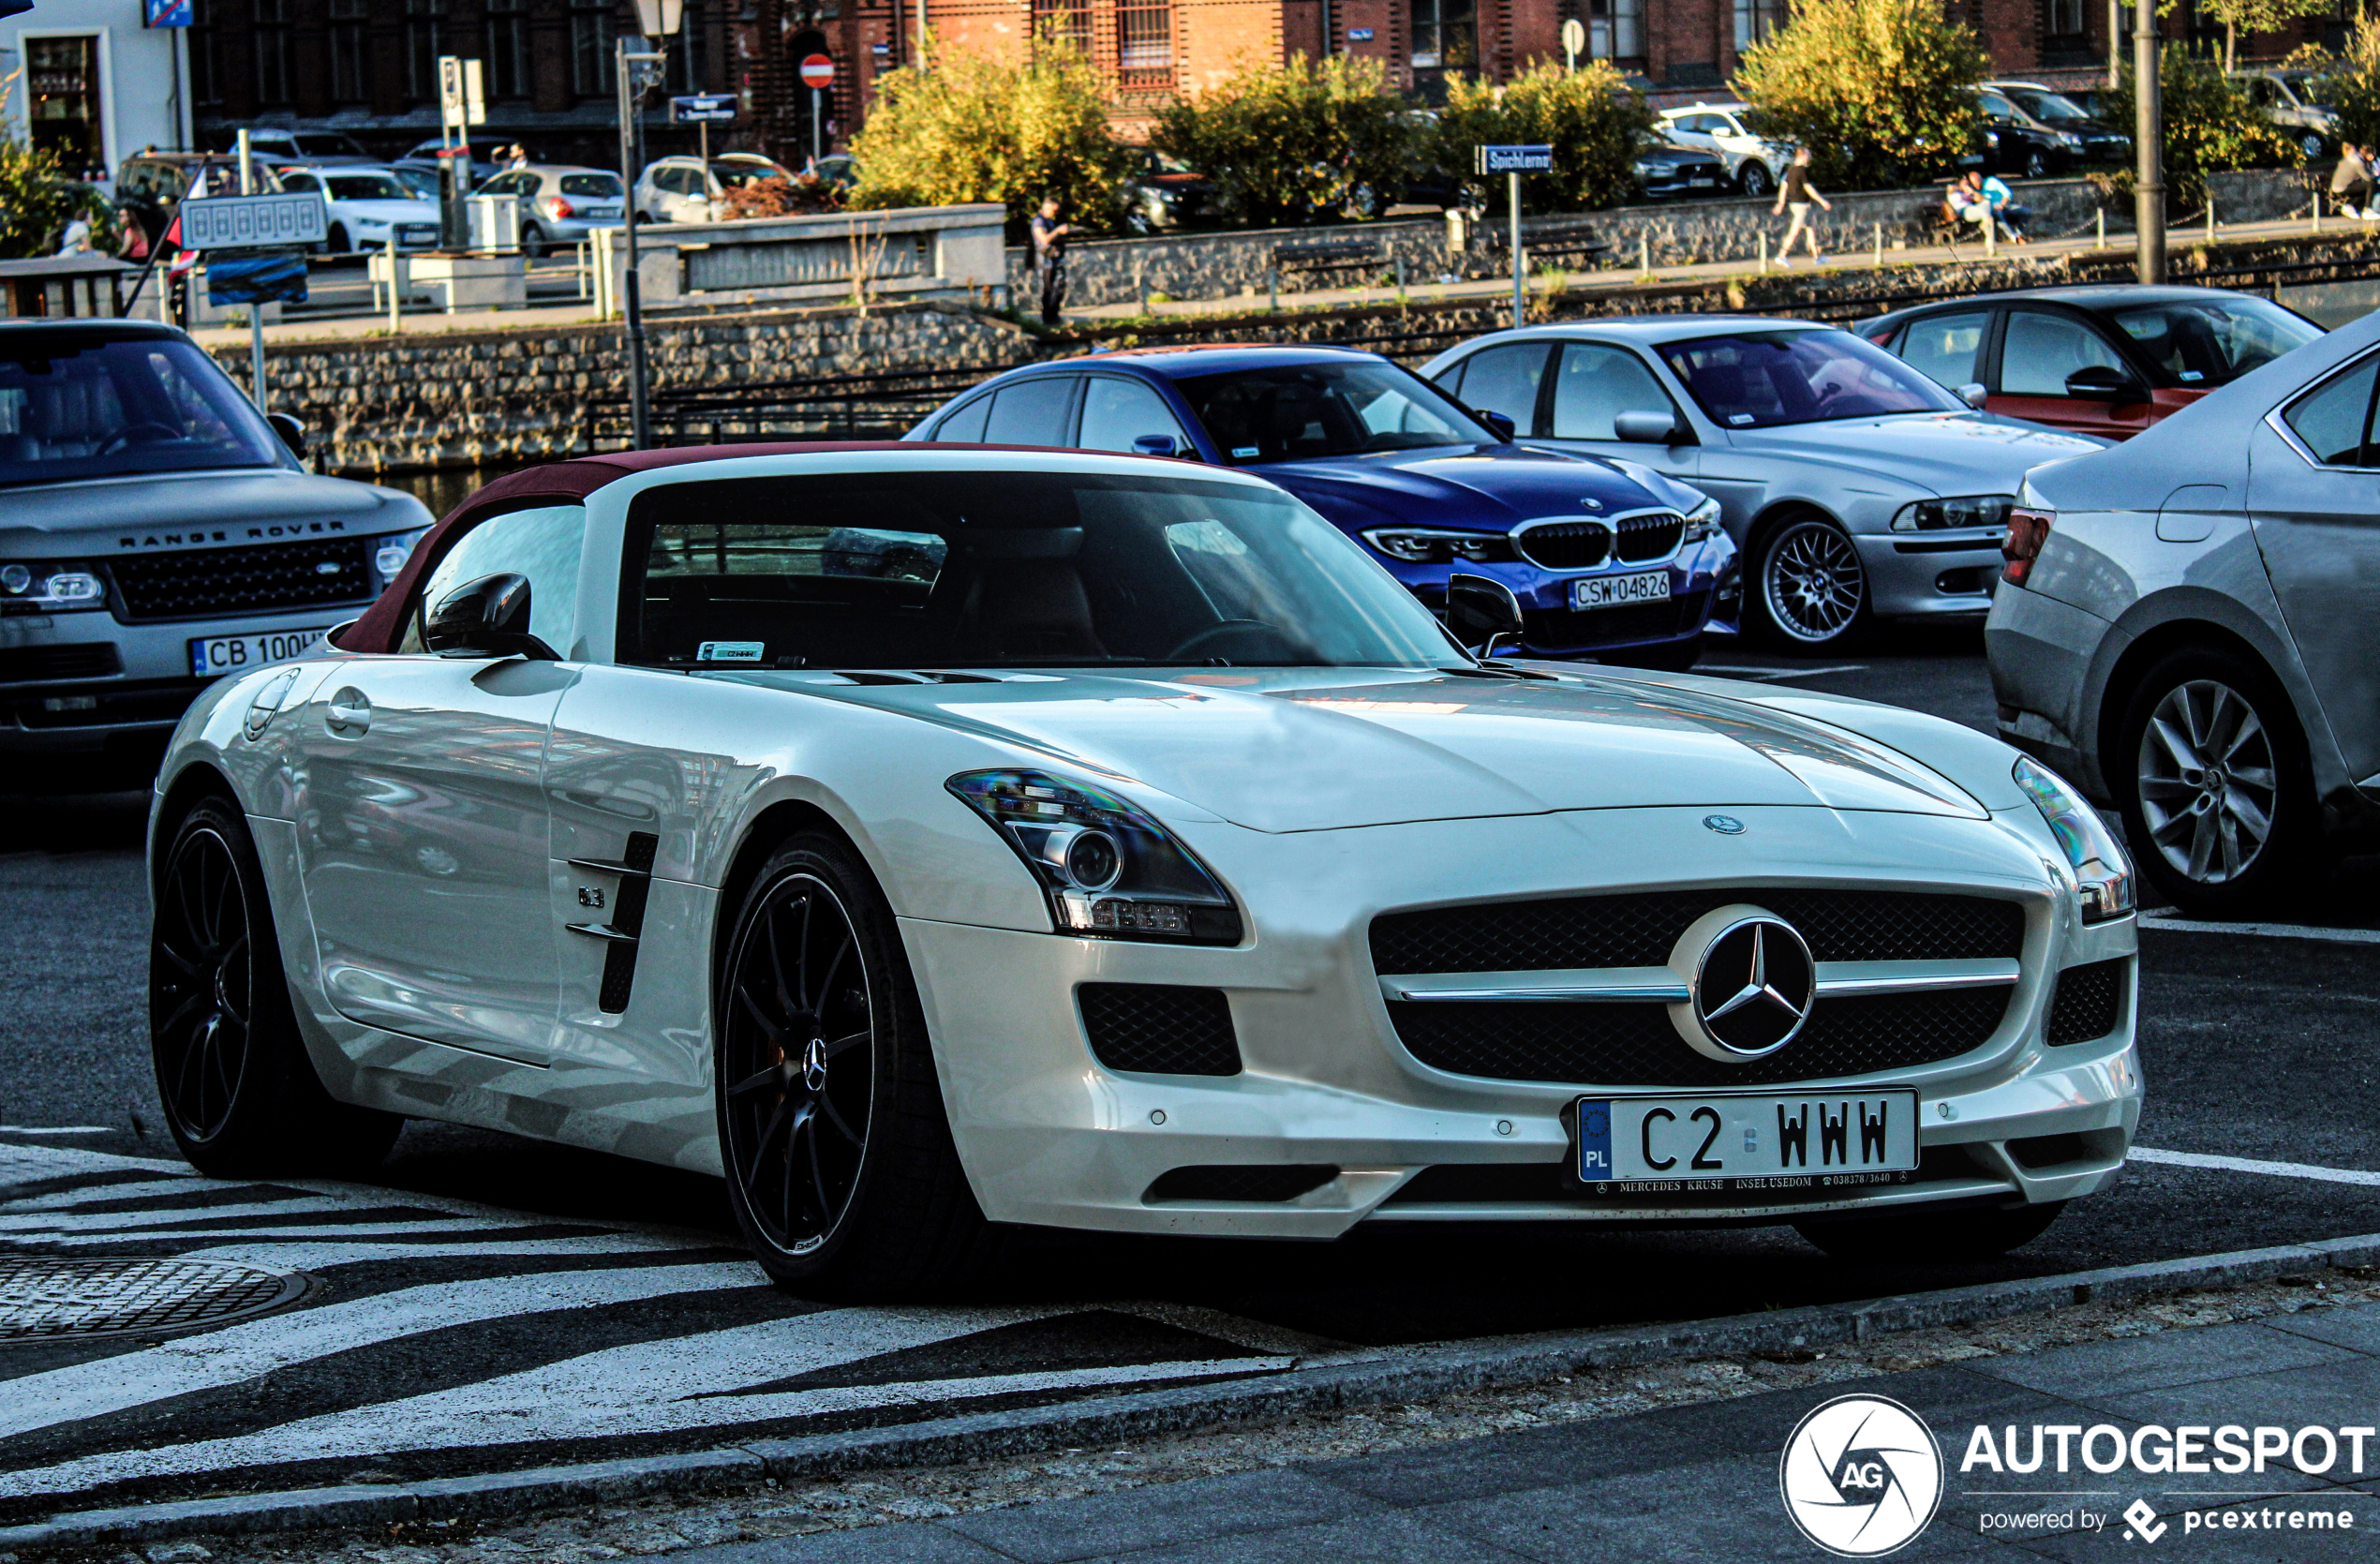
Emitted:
<point x="1591" y="118"/>
<point x="1299" y="142"/>
<point x="1880" y="91"/>
<point x="970" y="126"/>
<point x="2247" y="16"/>
<point x="37" y="200"/>
<point x="2209" y="127"/>
<point x="2351" y="83"/>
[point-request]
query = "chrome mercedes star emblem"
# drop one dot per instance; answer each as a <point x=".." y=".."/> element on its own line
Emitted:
<point x="1754" y="986"/>
<point x="1725" y="824"/>
<point x="813" y="1064"/>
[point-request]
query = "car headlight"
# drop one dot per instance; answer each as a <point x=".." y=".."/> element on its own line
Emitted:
<point x="2071" y="143"/>
<point x="1972" y="510"/>
<point x="2102" y="872"/>
<point x="1110" y="870"/>
<point x="389" y="554"/>
<point x="50" y="586"/>
<point x="1439" y="545"/>
<point x="1701" y="522"/>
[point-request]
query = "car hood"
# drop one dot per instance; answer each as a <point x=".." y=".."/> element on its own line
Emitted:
<point x="390" y="210"/>
<point x="1490" y="486"/>
<point x="1322" y="748"/>
<point x="1949" y="452"/>
<point x="165" y="510"/>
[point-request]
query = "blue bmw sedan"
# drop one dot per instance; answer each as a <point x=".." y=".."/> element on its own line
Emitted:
<point x="1608" y="558"/>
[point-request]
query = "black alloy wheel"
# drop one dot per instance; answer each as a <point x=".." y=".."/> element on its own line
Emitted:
<point x="532" y="242"/>
<point x="1920" y="1237"/>
<point x="1811" y="588"/>
<point x="241" y="1097"/>
<point x="1753" y="179"/>
<point x="840" y="1163"/>
<point x="2036" y="164"/>
<point x="337" y="243"/>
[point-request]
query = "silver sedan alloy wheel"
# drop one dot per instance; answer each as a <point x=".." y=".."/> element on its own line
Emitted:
<point x="2208" y="781"/>
<point x="1813" y="585"/>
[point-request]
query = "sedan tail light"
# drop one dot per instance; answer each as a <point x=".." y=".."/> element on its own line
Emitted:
<point x="557" y="209"/>
<point x="2027" y="530"/>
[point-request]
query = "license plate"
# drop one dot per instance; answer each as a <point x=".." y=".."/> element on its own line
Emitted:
<point x="424" y="235"/>
<point x="229" y="654"/>
<point x="1700" y="180"/>
<point x="1609" y="591"/>
<point x="1747" y="1140"/>
<point x="601" y="212"/>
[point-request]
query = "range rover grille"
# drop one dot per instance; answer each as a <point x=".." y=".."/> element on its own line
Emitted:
<point x="262" y="579"/>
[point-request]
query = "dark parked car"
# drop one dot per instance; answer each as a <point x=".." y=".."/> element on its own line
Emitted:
<point x="425" y="156"/>
<point x="2102" y="142"/>
<point x="1661" y="171"/>
<point x="320" y="148"/>
<point x="2106" y="359"/>
<point x="1165" y="193"/>
<point x="2017" y="143"/>
<point x="1620" y="564"/>
<point x="151" y="185"/>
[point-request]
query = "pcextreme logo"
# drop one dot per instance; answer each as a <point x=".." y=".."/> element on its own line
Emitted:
<point x="1861" y="1476"/>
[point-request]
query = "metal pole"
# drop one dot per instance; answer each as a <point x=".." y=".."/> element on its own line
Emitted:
<point x="397" y="284"/>
<point x="817" y="147"/>
<point x="1520" y="262"/>
<point x="704" y="131"/>
<point x="2115" y="43"/>
<point x="639" y="415"/>
<point x="2149" y="190"/>
<point x="256" y="308"/>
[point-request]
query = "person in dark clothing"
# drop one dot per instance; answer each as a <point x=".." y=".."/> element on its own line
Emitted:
<point x="1050" y="256"/>
<point x="1799" y="193"/>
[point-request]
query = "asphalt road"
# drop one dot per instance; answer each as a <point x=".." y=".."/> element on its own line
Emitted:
<point x="2254" y="1048"/>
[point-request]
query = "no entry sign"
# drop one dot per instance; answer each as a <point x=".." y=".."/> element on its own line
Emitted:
<point x="818" y="73"/>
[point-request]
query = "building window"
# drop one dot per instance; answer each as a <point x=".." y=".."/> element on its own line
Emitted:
<point x="592" y="28"/>
<point x="2065" y="18"/>
<point x="1616" y="29"/>
<point x="508" y="48"/>
<point x="424" y="41"/>
<point x="687" y="72"/>
<point x="271" y="53"/>
<point x="63" y="85"/>
<point x="206" y="82"/>
<point x="1445" y="34"/>
<point x="1067" y="21"/>
<point x="1755" y="20"/>
<point x="350" y="76"/>
<point x="1144" y="43"/>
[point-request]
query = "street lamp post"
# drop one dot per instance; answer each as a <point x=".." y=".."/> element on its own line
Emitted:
<point x="2148" y="186"/>
<point x="659" y="19"/>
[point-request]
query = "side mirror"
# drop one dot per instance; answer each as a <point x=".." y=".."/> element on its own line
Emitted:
<point x="488" y="618"/>
<point x="1482" y="611"/>
<point x="2103" y="382"/>
<point x="1153" y="446"/>
<point x="1973" y="394"/>
<point x="292" y="433"/>
<point x="1504" y="428"/>
<point x="1649" y="428"/>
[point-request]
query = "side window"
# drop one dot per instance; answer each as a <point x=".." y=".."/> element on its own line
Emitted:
<point x="966" y="425"/>
<point x="1947" y="347"/>
<point x="1116" y="411"/>
<point x="1030" y="412"/>
<point x="2040" y="350"/>
<point x="542" y="545"/>
<point x="2334" y="419"/>
<point x="1597" y="384"/>
<point x="299" y="180"/>
<point x="1505" y="379"/>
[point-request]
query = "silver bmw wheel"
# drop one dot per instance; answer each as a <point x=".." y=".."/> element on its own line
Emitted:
<point x="1812" y="584"/>
<point x="2208" y="781"/>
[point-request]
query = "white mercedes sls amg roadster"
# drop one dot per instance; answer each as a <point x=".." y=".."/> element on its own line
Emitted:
<point x="930" y="840"/>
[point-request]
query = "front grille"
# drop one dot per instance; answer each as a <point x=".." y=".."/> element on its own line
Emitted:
<point x="1160" y="1028"/>
<point x="1478" y="1184"/>
<point x="263" y="579"/>
<point x="1566" y="545"/>
<point x="1634" y="1045"/>
<point x="1563" y="629"/>
<point x="2088" y="1002"/>
<point x="1639" y="928"/>
<point x="1266" y="1186"/>
<point x="1652" y="536"/>
<point x="85" y="660"/>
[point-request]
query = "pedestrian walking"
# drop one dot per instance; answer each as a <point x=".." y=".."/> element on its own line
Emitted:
<point x="1049" y="257"/>
<point x="1799" y="194"/>
<point x="2351" y="182"/>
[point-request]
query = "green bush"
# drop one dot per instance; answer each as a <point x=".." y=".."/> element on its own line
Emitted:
<point x="2351" y="84"/>
<point x="1299" y="142"/>
<point x="1591" y="118"/>
<point x="1880" y="91"/>
<point x="978" y="128"/>
<point x="2210" y="128"/>
<point x="37" y="200"/>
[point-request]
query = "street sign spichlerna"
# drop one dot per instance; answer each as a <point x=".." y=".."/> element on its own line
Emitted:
<point x="1515" y="159"/>
<point x="702" y="108"/>
<point x="252" y="222"/>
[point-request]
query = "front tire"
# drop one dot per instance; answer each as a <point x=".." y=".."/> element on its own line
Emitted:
<point x="533" y="242"/>
<point x="1754" y="180"/>
<point x="839" y="1162"/>
<point x="2036" y="164"/>
<point x="337" y="242"/>
<point x="2216" y="790"/>
<point x="2312" y="144"/>
<point x="1931" y="1237"/>
<point x="1811" y="588"/>
<point x="240" y="1096"/>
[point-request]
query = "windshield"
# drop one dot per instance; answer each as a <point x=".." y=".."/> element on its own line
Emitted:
<point x="590" y="184"/>
<point x="986" y="569"/>
<point x="420" y="183"/>
<point x="77" y="408"/>
<point x="735" y="175"/>
<point x="328" y="144"/>
<point x="2209" y="342"/>
<point x="367" y="187"/>
<point x="2049" y="108"/>
<point x="1297" y="410"/>
<point x="1757" y="380"/>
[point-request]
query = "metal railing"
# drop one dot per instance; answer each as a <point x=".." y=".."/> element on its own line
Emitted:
<point x="822" y="407"/>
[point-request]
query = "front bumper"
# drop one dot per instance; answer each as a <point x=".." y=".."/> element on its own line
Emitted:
<point x="1553" y="629"/>
<point x="1921" y="574"/>
<point x="1049" y="1136"/>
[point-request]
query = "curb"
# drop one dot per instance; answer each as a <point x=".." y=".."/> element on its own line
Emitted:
<point x="1322" y="1385"/>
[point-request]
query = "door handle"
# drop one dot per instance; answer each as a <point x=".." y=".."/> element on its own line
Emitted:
<point x="349" y="713"/>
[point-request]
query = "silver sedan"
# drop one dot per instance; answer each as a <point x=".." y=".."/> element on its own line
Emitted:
<point x="1856" y="487"/>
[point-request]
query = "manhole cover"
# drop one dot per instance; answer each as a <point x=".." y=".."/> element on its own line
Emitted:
<point x="52" y="1300"/>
